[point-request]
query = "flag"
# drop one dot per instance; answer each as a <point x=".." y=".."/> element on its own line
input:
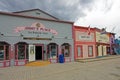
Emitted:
<point x="89" y="30"/>
<point x="103" y="31"/>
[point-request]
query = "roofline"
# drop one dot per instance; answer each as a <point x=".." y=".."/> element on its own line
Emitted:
<point x="33" y="10"/>
<point x="96" y="29"/>
<point x="25" y="16"/>
<point x="111" y="33"/>
<point x="84" y="27"/>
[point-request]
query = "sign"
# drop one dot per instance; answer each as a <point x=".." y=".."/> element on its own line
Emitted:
<point x="104" y="38"/>
<point x="36" y="28"/>
<point x="85" y="37"/>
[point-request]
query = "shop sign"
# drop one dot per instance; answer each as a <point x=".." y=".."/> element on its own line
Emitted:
<point x="35" y="27"/>
<point x="104" y="38"/>
<point x="85" y="37"/>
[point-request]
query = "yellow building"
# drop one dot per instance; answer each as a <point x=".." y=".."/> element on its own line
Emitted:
<point x="102" y="43"/>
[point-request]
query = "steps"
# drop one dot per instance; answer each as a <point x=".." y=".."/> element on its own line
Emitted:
<point x="98" y="59"/>
<point x="38" y="63"/>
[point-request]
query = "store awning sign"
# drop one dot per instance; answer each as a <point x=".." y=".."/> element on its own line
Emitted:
<point x="35" y="27"/>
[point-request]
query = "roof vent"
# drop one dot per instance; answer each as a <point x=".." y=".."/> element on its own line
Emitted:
<point x="37" y="13"/>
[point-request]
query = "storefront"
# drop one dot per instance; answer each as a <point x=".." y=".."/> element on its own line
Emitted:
<point x="84" y="42"/>
<point x="25" y="38"/>
<point x="102" y="43"/>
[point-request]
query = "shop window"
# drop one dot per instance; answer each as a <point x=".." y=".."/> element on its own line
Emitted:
<point x="52" y="50"/>
<point x="66" y="50"/>
<point x="1" y="52"/>
<point x="21" y="51"/>
<point x="79" y="51"/>
<point x="90" y="51"/>
<point x="4" y="51"/>
<point x="7" y="52"/>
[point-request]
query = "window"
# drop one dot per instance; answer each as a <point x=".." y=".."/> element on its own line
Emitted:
<point x="1" y="52"/>
<point x="21" y="51"/>
<point x="79" y="51"/>
<point x="90" y="51"/>
<point x="7" y="52"/>
<point x="4" y="51"/>
<point x="66" y="49"/>
<point x="52" y="50"/>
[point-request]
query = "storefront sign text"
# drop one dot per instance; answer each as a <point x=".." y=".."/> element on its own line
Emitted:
<point x="35" y="28"/>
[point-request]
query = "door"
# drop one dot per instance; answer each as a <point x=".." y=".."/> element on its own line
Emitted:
<point x="38" y="52"/>
<point x="31" y="52"/>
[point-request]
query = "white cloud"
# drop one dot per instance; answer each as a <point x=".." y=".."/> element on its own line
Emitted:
<point x="105" y="13"/>
<point x="97" y="13"/>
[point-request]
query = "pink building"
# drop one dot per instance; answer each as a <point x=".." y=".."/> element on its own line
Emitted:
<point x="84" y="42"/>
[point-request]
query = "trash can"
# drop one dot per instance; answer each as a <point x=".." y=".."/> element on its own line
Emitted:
<point x="61" y="58"/>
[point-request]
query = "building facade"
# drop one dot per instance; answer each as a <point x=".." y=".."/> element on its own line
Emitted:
<point x="84" y="42"/>
<point x="113" y="43"/>
<point x="34" y="35"/>
<point x="93" y="43"/>
<point x="103" y="43"/>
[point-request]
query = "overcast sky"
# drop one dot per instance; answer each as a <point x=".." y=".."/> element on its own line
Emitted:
<point x="96" y="13"/>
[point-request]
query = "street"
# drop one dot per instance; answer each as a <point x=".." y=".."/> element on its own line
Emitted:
<point x="98" y="70"/>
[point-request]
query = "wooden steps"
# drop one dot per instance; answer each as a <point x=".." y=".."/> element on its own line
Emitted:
<point x="38" y="63"/>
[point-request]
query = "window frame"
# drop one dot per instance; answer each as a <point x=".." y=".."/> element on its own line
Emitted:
<point x="81" y="48"/>
<point x="6" y="51"/>
<point x="25" y="50"/>
<point x="89" y="52"/>
<point x="66" y="47"/>
<point x="49" y="48"/>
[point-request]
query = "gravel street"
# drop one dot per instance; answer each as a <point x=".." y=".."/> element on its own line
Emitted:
<point x="98" y="70"/>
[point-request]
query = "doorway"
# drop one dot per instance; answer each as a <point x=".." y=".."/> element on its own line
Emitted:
<point x="39" y="52"/>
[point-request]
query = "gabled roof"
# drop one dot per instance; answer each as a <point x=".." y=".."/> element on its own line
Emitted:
<point x="35" y="10"/>
<point x="33" y="17"/>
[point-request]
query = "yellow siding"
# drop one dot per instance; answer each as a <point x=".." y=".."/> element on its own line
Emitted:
<point x="100" y="50"/>
<point x="104" y="50"/>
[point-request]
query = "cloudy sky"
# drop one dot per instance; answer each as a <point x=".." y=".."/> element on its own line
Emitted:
<point x="96" y="13"/>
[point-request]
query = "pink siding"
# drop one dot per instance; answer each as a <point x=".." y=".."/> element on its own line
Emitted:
<point x="83" y="39"/>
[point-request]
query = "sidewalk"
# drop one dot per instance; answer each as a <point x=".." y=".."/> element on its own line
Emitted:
<point x="99" y="58"/>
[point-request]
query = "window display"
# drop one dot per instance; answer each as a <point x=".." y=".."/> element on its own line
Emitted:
<point x="52" y="50"/>
<point x="66" y="50"/>
<point x="21" y="51"/>
<point x="1" y="54"/>
<point x="4" y="51"/>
